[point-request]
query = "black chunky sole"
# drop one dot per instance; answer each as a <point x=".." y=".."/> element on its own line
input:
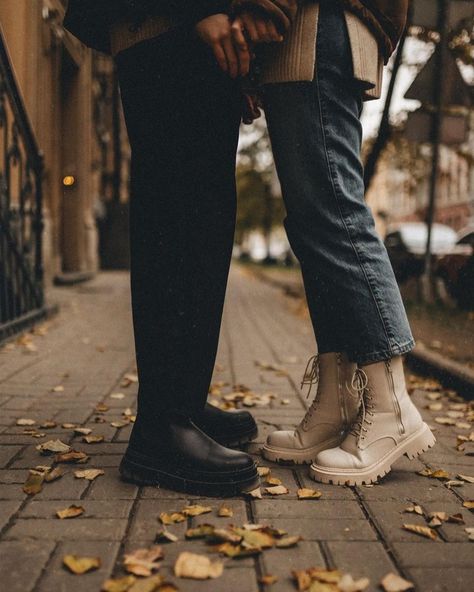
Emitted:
<point x="139" y="474"/>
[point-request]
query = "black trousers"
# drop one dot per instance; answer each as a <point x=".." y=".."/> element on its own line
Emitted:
<point x="182" y="115"/>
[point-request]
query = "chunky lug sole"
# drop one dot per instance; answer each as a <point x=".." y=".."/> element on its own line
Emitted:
<point x="412" y="447"/>
<point x="236" y="439"/>
<point x="294" y="456"/>
<point x="241" y="482"/>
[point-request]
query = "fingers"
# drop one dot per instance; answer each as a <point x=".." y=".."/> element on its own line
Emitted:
<point x="220" y="56"/>
<point x="231" y="57"/>
<point x="248" y="23"/>
<point x="260" y="30"/>
<point x="241" y="46"/>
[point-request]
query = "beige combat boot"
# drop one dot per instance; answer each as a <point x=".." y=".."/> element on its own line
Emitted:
<point x="388" y="426"/>
<point x="327" y="420"/>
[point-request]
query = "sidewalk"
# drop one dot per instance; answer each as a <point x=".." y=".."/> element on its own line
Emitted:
<point x="72" y="372"/>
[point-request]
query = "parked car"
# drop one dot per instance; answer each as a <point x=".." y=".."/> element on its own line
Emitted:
<point x="406" y="246"/>
<point x="456" y="268"/>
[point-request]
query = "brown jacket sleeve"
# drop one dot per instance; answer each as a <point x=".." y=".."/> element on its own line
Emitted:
<point x="282" y="12"/>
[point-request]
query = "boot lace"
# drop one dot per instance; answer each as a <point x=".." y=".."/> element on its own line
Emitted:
<point x="360" y="384"/>
<point x="311" y="378"/>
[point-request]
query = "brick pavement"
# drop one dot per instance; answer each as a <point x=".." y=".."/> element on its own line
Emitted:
<point x="88" y="348"/>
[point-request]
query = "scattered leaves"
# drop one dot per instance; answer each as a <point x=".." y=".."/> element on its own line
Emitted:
<point x="305" y="494"/>
<point x="415" y="509"/>
<point x="71" y="512"/>
<point x="89" y="474"/>
<point x="425" y="531"/>
<point x="143" y="562"/>
<point x="196" y="510"/>
<point x="434" y="473"/>
<point x="91" y="439"/>
<point x="288" y="542"/>
<point x="197" y="567"/>
<point x="394" y="583"/>
<point x="34" y="482"/>
<point x="25" y="422"/>
<point x="255" y="493"/>
<point x="53" y="447"/>
<point x="172" y="518"/>
<point x="118" y="584"/>
<point x="277" y="490"/>
<point x="165" y="536"/>
<point x="81" y="565"/>
<point x="268" y="580"/>
<point x="466" y="478"/>
<point x="74" y="456"/>
<point x="225" y="511"/>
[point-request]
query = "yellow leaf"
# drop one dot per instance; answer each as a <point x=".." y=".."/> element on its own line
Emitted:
<point x="287" y="542"/>
<point x="394" y="583"/>
<point x="172" y="518"/>
<point x="72" y="457"/>
<point x="25" y="422"/>
<point x="348" y="584"/>
<point x="225" y="511"/>
<point x="254" y="538"/>
<point x="425" y="531"/>
<point x="93" y="439"/>
<point x="56" y="473"/>
<point x="151" y="584"/>
<point x="89" y="474"/>
<point x="118" y="584"/>
<point x="143" y="562"/>
<point x="469" y="504"/>
<point x="329" y="576"/>
<point x="200" y="532"/>
<point x="81" y="565"/>
<point x="196" y="510"/>
<point x="263" y="471"/>
<point x="197" y="567"/>
<point x="71" y="512"/>
<point x="34" y="482"/>
<point x="225" y="535"/>
<point x="165" y="536"/>
<point x="305" y="493"/>
<point x="82" y="431"/>
<point x="58" y="389"/>
<point x="53" y="446"/>
<point x="466" y="478"/>
<point x="302" y="578"/>
<point x="255" y="493"/>
<point x="268" y="580"/>
<point x="277" y="490"/>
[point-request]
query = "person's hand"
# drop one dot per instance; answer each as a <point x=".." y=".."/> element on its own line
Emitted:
<point x="258" y="29"/>
<point x="232" y="57"/>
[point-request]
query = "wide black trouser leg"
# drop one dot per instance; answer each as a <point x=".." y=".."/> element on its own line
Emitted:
<point x="182" y="115"/>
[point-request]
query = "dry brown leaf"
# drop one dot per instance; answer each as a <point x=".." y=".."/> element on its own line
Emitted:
<point x="165" y="536"/>
<point x="394" y="583"/>
<point x="153" y="583"/>
<point x="118" y="584"/>
<point x="68" y="426"/>
<point x="143" y="562"/>
<point x="454" y="483"/>
<point x="93" y="439"/>
<point x="200" y="532"/>
<point x="469" y="504"/>
<point x="81" y="565"/>
<point x="438" y="406"/>
<point x="120" y="424"/>
<point x="256" y="539"/>
<point x="82" y="431"/>
<point x="288" y="542"/>
<point x="74" y="456"/>
<point x="196" y="510"/>
<point x="348" y="584"/>
<point x="101" y="408"/>
<point x="470" y="532"/>
<point x="71" y="512"/>
<point x="58" y="389"/>
<point x="172" y="518"/>
<point x="224" y="535"/>
<point x="329" y="576"/>
<point x="277" y="490"/>
<point x="53" y="475"/>
<point x="197" y="567"/>
<point x="117" y="396"/>
<point x="53" y="447"/>
<point x="302" y="579"/>
<point x="268" y="580"/>
<point x="425" y="531"/>
<point x="415" y="509"/>
<point x="456" y="518"/>
<point x="255" y="493"/>
<point x="263" y="471"/>
<point x="225" y="511"/>
<point x="273" y="481"/>
<point x="306" y="493"/>
<point x="89" y="474"/>
<point x="466" y="478"/>
<point x="25" y="422"/>
<point x="34" y="482"/>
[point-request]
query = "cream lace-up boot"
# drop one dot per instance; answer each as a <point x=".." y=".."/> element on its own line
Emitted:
<point x="388" y="426"/>
<point x="327" y="420"/>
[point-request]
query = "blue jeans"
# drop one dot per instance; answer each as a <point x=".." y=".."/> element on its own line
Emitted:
<point x="315" y="130"/>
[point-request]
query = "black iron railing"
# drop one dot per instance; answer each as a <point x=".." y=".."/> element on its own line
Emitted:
<point x="21" y="223"/>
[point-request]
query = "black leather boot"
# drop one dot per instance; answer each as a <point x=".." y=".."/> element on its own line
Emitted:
<point x="229" y="428"/>
<point x="179" y="456"/>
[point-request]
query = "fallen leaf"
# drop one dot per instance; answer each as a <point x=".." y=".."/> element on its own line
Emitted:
<point x="197" y="567"/>
<point x="58" y="389"/>
<point x="454" y="483"/>
<point x="34" y="482"/>
<point x="302" y="578"/>
<point x="434" y="474"/>
<point x="225" y="511"/>
<point x="120" y="424"/>
<point x="268" y="580"/>
<point x="25" y="422"/>
<point x="196" y="510"/>
<point x="255" y="538"/>
<point x="328" y="576"/>
<point x="153" y="583"/>
<point x="74" y="456"/>
<point x="224" y="535"/>
<point x="273" y="481"/>
<point x="394" y="583"/>
<point x="425" y="531"/>
<point x="172" y="518"/>
<point x="416" y="509"/>
<point x="71" y="512"/>
<point x="52" y="447"/>
<point x="165" y="536"/>
<point x="435" y="406"/>
<point x="101" y="408"/>
<point x="255" y="493"/>
<point x="263" y="471"/>
<point x="82" y="431"/>
<point x="143" y="562"/>
<point x="53" y="475"/>
<point x="348" y="584"/>
<point x="117" y="396"/>
<point x="199" y="532"/>
<point x="306" y="493"/>
<point x="81" y="565"/>
<point x="470" y="532"/>
<point x="469" y="504"/>
<point x="466" y="478"/>
<point x="68" y="426"/>
<point x="288" y="542"/>
<point x="118" y="584"/>
<point x="456" y="518"/>
<point x="277" y="490"/>
<point x="89" y="474"/>
<point x="93" y="439"/>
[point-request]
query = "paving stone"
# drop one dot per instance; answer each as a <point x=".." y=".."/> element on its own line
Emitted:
<point x="344" y="529"/>
<point x="7" y="510"/>
<point x="21" y="563"/>
<point x="88" y="529"/>
<point x="428" y="554"/>
<point x="7" y="453"/>
<point x="93" y="508"/>
<point x="11" y="491"/>
<point x="59" y="579"/>
<point x="67" y="487"/>
<point x="310" y="509"/>
<point x="110" y="486"/>
<point x="281" y="562"/>
<point x="234" y="579"/>
<point x="13" y="476"/>
<point x="238" y="506"/>
<point x="145" y="524"/>
<point x="452" y="532"/>
<point x="369" y="560"/>
<point x="447" y="579"/>
<point x="102" y="461"/>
